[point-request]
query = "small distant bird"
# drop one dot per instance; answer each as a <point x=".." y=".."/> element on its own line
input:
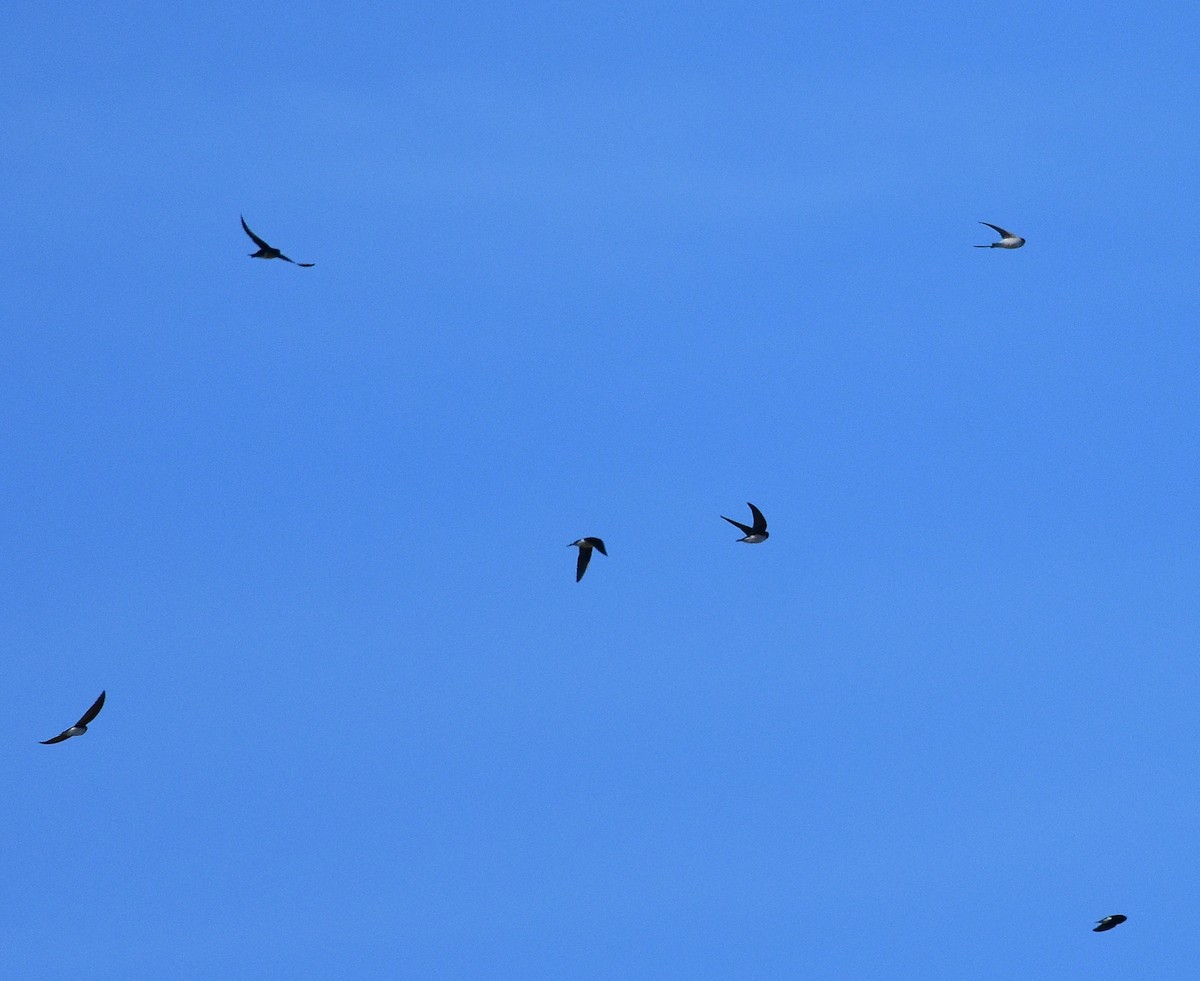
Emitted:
<point x="585" y="554"/>
<point x="80" y="727"/>
<point x="1109" y="922"/>
<point x="1007" y="239"/>
<point x="755" y="534"/>
<point x="267" y="252"/>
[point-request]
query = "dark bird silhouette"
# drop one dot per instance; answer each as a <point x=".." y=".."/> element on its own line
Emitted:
<point x="1007" y="239"/>
<point x="585" y="554"/>
<point x="754" y="533"/>
<point x="1109" y="922"/>
<point x="80" y="727"/>
<point x="268" y="252"/>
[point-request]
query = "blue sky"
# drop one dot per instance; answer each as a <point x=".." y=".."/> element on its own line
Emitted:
<point x="605" y="272"/>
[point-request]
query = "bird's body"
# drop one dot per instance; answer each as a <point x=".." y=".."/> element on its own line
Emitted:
<point x="753" y="533"/>
<point x="1007" y="239"/>
<point x="80" y="727"/>
<point x="1109" y="922"/>
<point x="270" y="252"/>
<point x="585" y="546"/>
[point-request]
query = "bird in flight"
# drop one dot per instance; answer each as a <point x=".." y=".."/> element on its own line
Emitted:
<point x="80" y="727"/>
<point x="267" y="252"/>
<point x="755" y="533"/>
<point x="585" y="554"/>
<point x="1109" y="922"/>
<point x="1007" y="239"/>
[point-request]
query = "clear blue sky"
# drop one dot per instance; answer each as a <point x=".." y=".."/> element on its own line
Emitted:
<point x="610" y="272"/>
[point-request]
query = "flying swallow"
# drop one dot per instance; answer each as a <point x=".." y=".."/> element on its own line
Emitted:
<point x="1007" y="239"/>
<point x="267" y="252"/>
<point x="585" y="554"/>
<point x="756" y="533"/>
<point x="80" y="727"/>
<point x="1109" y="922"/>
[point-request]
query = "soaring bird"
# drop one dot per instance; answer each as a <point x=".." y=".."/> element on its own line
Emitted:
<point x="1007" y="239"/>
<point x="80" y="727"/>
<point x="1109" y="922"/>
<point x="756" y="533"/>
<point x="585" y="554"/>
<point x="268" y="252"/>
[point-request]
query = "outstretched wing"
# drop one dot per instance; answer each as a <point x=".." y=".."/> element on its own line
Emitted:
<point x="596" y="543"/>
<point x="257" y="241"/>
<point x="746" y="529"/>
<point x="306" y="265"/>
<point x="585" y="556"/>
<point x="91" y="713"/>
<point x="57" y="739"/>
<point x="760" y="523"/>
<point x="1003" y="232"/>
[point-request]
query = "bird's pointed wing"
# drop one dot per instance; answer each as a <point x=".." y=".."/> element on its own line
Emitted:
<point x="286" y="259"/>
<point x="596" y="543"/>
<point x="91" y="713"/>
<point x="257" y="241"/>
<point x="746" y="529"/>
<point x="57" y="739"/>
<point x="1003" y="232"/>
<point x="760" y="523"/>
<point x="585" y="556"/>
